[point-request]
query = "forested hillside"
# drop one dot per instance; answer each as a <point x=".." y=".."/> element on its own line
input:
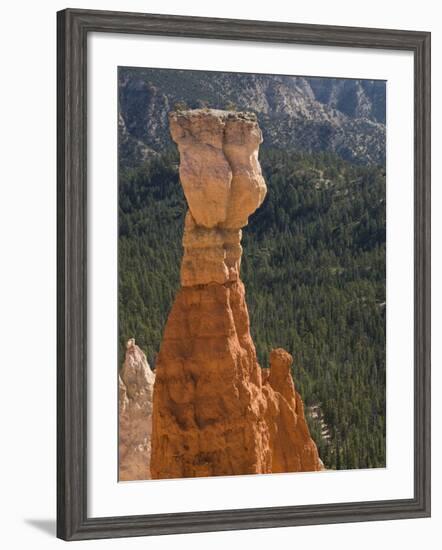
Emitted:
<point x="314" y="270"/>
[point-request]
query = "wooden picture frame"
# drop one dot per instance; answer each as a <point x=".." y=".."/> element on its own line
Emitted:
<point x="74" y="25"/>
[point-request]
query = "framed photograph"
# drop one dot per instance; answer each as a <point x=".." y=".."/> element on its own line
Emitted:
<point x="243" y="274"/>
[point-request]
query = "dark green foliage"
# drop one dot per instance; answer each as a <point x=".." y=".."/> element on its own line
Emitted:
<point x="314" y="270"/>
<point x="180" y="106"/>
<point x="151" y="217"/>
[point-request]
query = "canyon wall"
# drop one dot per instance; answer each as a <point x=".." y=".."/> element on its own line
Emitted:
<point x="215" y="411"/>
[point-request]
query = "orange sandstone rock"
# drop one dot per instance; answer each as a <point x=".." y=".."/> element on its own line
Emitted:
<point x="293" y="450"/>
<point x="209" y="410"/>
<point x="215" y="412"/>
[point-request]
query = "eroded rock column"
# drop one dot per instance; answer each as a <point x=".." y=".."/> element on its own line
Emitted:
<point x="212" y="413"/>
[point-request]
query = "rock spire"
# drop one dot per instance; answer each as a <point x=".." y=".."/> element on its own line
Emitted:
<point x="215" y="410"/>
<point x="136" y="382"/>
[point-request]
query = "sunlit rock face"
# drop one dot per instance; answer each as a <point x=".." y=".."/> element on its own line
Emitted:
<point x="215" y="412"/>
<point x="223" y="185"/>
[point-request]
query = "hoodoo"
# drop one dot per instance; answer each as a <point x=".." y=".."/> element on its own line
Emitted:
<point x="214" y="411"/>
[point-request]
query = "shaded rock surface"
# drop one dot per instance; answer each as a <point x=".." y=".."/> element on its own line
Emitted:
<point x="136" y="381"/>
<point x="215" y="411"/>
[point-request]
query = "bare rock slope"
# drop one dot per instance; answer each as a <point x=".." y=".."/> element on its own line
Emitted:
<point x="214" y="411"/>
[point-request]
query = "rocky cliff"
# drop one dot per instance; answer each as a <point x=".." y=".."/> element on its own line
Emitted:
<point x="214" y="411"/>
<point x="342" y="116"/>
<point x="136" y="381"/>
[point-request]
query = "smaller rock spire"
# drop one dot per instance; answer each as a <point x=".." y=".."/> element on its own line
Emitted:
<point x="136" y="381"/>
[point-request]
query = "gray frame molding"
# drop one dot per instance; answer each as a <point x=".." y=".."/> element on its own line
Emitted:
<point x="73" y="26"/>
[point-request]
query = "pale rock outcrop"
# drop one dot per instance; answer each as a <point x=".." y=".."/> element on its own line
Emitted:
<point x="136" y="381"/>
<point x="215" y="412"/>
